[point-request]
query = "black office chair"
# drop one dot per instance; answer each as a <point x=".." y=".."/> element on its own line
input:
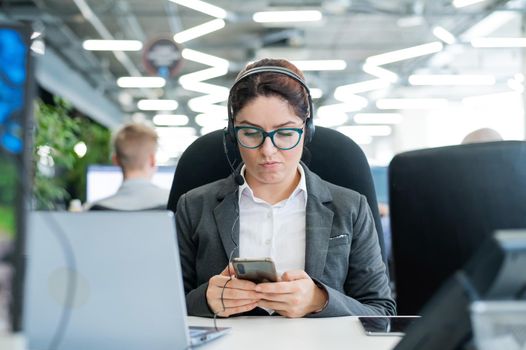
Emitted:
<point x="98" y="207"/>
<point x="444" y="202"/>
<point x="333" y="156"/>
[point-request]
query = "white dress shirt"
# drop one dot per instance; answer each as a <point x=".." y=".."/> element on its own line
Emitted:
<point x="276" y="231"/>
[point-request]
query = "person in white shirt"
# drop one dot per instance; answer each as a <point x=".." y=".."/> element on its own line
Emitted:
<point x="321" y="236"/>
<point x="135" y="146"/>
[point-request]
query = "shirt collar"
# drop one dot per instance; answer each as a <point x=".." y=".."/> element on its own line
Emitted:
<point x="301" y="187"/>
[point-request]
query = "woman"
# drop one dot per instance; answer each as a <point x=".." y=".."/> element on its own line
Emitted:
<point x="321" y="236"/>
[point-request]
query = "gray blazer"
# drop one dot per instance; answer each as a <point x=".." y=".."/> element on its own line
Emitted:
<point x="342" y="250"/>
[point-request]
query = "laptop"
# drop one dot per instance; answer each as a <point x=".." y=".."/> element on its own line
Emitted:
<point x="127" y="292"/>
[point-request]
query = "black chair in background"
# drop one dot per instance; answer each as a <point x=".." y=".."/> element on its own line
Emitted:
<point x="444" y="202"/>
<point x="333" y="156"/>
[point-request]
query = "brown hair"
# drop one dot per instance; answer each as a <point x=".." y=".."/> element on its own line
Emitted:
<point x="133" y="143"/>
<point x="270" y="84"/>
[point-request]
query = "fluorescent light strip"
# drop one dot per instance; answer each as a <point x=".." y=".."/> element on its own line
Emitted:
<point x="203" y="58"/>
<point x="316" y="93"/>
<point x="112" y="45"/>
<point x="319" y="65"/>
<point x="201" y="75"/>
<point x="451" y="80"/>
<point x="498" y="42"/>
<point x="157" y="105"/>
<point x="444" y="35"/>
<point x="170" y="119"/>
<point x="203" y="7"/>
<point x="141" y="82"/>
<point x="341" y="93"/>
<point x="464" y="3"/>
<point x="370" y="130"/>
<point x="381" y="73"/>
<point x="200" y="30"/>
<point x="287" y="16"/>
<point x="378" y="118"/>
<point x="210" y="120"/>
<point x="404" y="54"/>
<point x="411" y="103"/>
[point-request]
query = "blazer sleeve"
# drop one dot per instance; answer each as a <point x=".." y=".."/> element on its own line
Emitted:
<point x="196" y="303"/>
<point x="366" y="287"/>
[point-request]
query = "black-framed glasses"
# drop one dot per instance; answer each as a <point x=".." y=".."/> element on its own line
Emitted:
<point x="282" y="138"/>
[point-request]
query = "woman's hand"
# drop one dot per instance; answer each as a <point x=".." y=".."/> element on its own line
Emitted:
<point x="296" y="295"/>
<point x="238" y="296"/>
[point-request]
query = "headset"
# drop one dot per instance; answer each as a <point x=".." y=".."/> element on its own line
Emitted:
<point x="309" y="123"/>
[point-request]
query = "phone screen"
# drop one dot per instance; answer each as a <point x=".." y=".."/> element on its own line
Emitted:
<point x="255" y="270"/>
<point x="385" y="325"/>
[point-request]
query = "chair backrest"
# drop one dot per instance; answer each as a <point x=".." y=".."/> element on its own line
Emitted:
<point x="444" y="202"/>
<point x="333" y="156"/>
<point x="98" y="207"/>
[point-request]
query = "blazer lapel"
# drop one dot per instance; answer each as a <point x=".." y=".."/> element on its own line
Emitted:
<point x="226" y="215"/>
<point x="318" y="224"/>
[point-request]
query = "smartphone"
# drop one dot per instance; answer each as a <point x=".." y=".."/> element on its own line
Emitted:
<point x="386" y="325"/>
<point x="257" y="270"/>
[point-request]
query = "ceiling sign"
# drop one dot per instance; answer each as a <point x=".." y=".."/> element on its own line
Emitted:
<point x="162" y="58"/>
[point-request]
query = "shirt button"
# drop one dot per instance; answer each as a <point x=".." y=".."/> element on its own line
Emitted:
<point x="267" y="241"/>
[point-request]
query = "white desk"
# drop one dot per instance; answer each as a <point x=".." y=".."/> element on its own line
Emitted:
<point x="304" y="333"/>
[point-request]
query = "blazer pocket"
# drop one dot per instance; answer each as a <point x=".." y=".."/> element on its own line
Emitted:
<point x="339" y="239"/>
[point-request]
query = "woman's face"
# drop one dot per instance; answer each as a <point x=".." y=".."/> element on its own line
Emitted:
<point x="268" y="164"/>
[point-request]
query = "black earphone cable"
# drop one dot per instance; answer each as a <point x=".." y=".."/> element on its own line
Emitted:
<point x="236" y="246"/>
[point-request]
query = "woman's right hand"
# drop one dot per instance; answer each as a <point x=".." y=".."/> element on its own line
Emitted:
<point x="238" y="296"/>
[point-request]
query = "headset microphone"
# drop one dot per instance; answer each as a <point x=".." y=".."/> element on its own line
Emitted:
<point x="238" y="179"/>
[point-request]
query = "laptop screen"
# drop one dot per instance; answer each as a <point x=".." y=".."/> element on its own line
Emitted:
<point x="15" y="104"/>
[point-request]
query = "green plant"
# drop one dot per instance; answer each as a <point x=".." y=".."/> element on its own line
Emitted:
<point x="57" y="166"/>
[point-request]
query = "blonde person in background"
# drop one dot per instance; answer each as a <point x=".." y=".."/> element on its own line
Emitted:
<point x="135" y="146"/>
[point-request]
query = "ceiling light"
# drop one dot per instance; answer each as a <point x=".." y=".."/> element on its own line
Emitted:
<point x="411" y="103"/>
<point x="370" y="130"/>
<point x="318" y="65"/>
<point x="287" y="16"/>
<point x="210" y="121"/>
<point x="315" y="92"/>
<point x="203" y="7"/>
<point x="112" y="45"/>
<point x="489" y="24"/>
<point x="205" y="74"/>
<point x="170" y="119"/>
<point x="200" y="30"/>
<point x="498" y="42"/>
<point x="410" y="21"/>
<point x="157" y="105"/>
<point x="444" y="35"/>
<point x="380" y="72"/>
<point x="80" y="149"/>
<point x="203" y="58"/>
<point x="141" y="82"/>
<point x="451" y="80"/>
<point x="329" y="117"/>
<point x="464" y="3"/>
<point x="404" y="54"/>
<point x="378" y="118"/>
<point x="341" y="93"/>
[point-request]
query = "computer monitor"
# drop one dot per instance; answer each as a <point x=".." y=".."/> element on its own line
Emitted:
<point x="381" y="183"/>
<point x="495" y="272"/>
<point x="15" y="150"/>
<point x="104" y="180"/>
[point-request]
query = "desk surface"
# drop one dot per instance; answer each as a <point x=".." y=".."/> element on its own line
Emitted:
<point x="304" y="333"/>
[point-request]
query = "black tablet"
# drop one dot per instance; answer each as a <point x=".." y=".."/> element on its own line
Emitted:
<point x="386" y="325"/>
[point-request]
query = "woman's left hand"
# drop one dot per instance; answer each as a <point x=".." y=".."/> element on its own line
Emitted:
<point x="294" y="296"/>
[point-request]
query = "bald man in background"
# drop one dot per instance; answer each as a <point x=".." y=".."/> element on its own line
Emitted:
<point x="482" y="135"/>
<point x="135" y="146"/>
